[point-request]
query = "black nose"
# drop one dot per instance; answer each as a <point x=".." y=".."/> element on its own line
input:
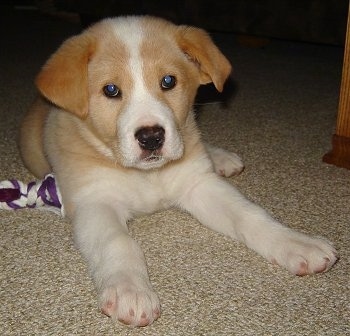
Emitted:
<point x="150" y="138"/>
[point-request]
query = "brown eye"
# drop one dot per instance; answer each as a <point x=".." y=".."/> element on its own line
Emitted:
<point x="168" y="82"/>
<point x="111" y="91"/>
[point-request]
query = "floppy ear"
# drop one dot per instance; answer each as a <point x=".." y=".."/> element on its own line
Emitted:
<point x="63" y="80"/>
<point x="199" y="47"/>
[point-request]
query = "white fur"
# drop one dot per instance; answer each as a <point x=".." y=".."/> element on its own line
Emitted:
<point x="102" y="198"/>
<point x="225" y="163"/>
<point x="117" y="262"/>
<point x="144" y="110"/>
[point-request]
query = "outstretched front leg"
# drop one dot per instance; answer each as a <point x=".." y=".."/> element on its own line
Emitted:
<point x="116" y="263"/>
<point x="219" y="206"/>
<point x="225" y="163"/>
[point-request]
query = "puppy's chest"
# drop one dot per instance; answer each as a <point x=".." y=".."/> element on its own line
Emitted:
<point x="140" y="195"/>
<point x="149" y="206"/>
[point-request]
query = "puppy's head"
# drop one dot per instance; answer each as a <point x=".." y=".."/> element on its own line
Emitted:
<point x="132" y="82"/>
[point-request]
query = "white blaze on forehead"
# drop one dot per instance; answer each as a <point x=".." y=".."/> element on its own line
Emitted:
<point x="130" y="32"/>
<point x="142" y="109"/>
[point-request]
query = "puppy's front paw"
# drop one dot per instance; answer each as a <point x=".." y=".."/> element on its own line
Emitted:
<point x="133" y="304"/>
<point x="303" y="255"/>
<point x="225" y="163"/>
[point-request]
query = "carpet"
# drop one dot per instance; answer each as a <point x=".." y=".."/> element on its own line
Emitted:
<point x="278" y="113"/>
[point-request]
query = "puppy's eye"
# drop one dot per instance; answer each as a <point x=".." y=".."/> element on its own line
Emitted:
<point x="111" y="90"/>
<point x="168" y="82"/>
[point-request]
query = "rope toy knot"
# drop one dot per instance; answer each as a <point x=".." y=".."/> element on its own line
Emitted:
<point x="42" y="194"/>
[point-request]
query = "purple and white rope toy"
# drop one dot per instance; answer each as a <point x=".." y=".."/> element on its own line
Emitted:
<point x="42" y="194"/>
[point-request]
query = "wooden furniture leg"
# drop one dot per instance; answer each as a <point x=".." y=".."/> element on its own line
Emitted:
<point x="340" y="153"/>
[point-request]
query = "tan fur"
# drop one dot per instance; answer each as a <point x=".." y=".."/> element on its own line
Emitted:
<point x="191" y="40"/>
<point x="64" y="78"/>
<point x="31" y="139"/>
<point x="107" y="176"/>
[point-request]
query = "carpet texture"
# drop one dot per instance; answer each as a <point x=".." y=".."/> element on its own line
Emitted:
<point x="278" y="113"/>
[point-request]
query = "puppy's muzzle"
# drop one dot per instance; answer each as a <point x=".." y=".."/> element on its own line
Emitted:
<point x="150" y="138"/>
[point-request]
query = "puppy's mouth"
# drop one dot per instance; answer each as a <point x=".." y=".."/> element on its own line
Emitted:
<point x="149" y="148"/>
<point x="151" y="156"/>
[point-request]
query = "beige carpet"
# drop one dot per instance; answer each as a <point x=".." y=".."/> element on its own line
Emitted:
<point x="280" y="119"/>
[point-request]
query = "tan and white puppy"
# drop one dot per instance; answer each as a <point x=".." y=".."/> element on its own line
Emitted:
<point x="114" y="122"/>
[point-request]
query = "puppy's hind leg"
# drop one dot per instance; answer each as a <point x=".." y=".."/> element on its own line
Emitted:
<point x="31" y="139"/>
<point x="225" y="163"/>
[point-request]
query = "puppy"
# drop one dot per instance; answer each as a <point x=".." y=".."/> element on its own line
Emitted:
<point x="114" y="122"/>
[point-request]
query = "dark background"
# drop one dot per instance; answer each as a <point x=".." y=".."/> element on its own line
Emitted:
<point x="317" y="21"/>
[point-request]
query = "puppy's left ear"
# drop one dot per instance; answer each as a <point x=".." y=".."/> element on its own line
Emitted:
<point x="63" y="80"/>
<point x="199" y="47"/>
